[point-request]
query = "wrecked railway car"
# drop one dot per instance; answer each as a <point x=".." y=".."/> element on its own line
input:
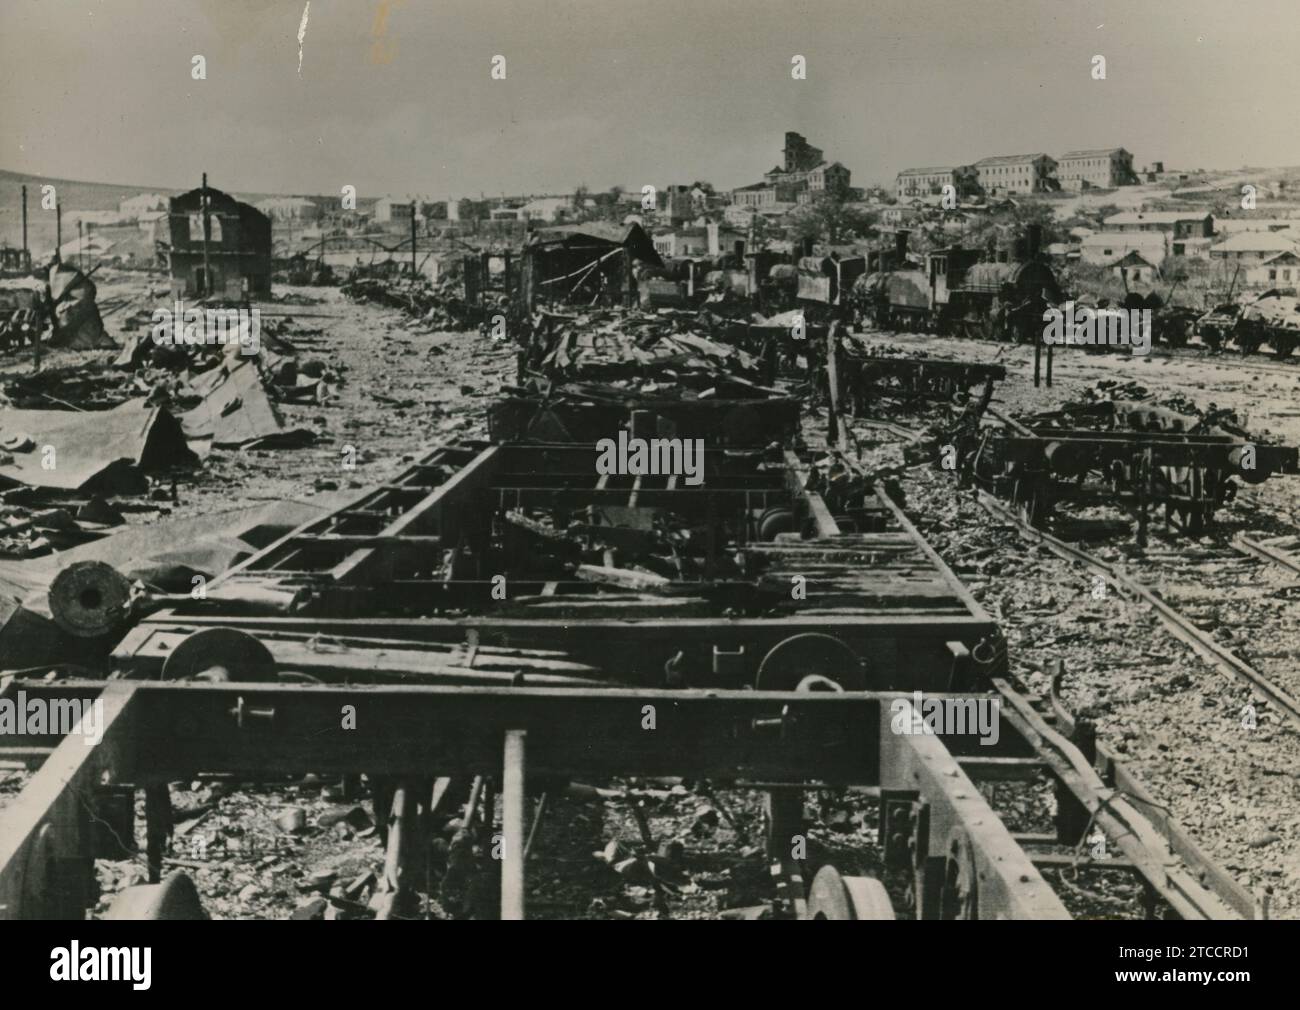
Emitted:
<point x="1135" y="456"/>
<point x="747" y="578"/>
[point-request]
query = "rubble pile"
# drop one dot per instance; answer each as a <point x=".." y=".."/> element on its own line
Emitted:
<point x="440" y="306"/>
<point x="1135" y="394"/>
<point x="667" y="347"/>
<point x="82" y="443"/>
<point x="302" y="273"/>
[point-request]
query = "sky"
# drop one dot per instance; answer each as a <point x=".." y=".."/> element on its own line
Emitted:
<point x="397" y="96"/>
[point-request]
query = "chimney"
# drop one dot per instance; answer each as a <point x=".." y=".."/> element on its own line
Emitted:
<point x="1033" y="240"/>
<point x="900" y="245"/>
<point x="715" y="246"/>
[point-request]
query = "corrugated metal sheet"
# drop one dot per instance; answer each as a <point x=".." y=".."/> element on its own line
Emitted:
<point x="92" y="448"/>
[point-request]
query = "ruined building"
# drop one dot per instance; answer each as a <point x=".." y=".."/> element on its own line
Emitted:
<point x="237" y="260"/>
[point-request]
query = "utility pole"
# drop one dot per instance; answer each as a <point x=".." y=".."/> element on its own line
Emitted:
<point x="81" y="245"/>
<point x="26" y="255"/>
<point x="58" y="231"/>
<point x="414" y="203"/>
<point x="207" y="228"/>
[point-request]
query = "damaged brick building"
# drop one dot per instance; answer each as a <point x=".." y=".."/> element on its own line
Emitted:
<point x="236" y="262"/>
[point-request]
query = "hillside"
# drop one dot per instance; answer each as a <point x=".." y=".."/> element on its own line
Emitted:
<point x="78" y="195"/>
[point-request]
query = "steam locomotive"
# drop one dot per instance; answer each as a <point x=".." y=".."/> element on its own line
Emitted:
<point x="960" y="292"/>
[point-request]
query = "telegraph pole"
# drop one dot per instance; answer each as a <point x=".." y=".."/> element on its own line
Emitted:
<point x="207" y="228"/>
<point x="414" y="204"/>
<point x="26" y="255"/>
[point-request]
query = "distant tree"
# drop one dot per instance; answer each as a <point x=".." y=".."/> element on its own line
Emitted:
<point x="830" y="218"/>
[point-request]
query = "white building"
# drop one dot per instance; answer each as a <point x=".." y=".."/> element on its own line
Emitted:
<point x="1016" y="173"/>
<point x="1104" y="248"/>
<point x="388" y="210"/>
<point x="549" y="209"/>
<point x="739" y="215"/>
<point x="1282" y="270"/>
<point x="142" y="203"/>
<point x="1252" y="246"/>
<point x="289" y="208"/>
<point x="1136" y="268"/>
<point x="1234" y="225"/>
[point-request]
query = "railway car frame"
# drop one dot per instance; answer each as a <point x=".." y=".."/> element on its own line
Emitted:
<point x="959" y="860"/>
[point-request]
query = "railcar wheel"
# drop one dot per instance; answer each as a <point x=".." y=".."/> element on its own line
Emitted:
<point x="220" y="654"/>
<point x="40" y="877"/>
<point x="791" y="661"/>
<point x="775" y="520"/>
<point x="175" y="899"/>
<point x="89" y="599"/>
<point x="833" y="896"/>
<point x="959" y="898"/>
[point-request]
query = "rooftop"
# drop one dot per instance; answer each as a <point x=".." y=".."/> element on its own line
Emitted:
<point x="1010" y="159"/>
<point x="1126" y="240"/>
<point x="1157" y="217"/>
<point x="1099" y="152"/>
<point x="1256" y="241"/>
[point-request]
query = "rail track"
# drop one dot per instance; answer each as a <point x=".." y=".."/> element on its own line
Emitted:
<point x="1228" y="599"/>
<point x="1182" y="576"/>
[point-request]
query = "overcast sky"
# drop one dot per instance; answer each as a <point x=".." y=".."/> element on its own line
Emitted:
<point x="397" y="97"/>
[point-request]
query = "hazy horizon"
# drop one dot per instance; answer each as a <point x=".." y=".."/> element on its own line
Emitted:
<point x="397" y="97"/>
